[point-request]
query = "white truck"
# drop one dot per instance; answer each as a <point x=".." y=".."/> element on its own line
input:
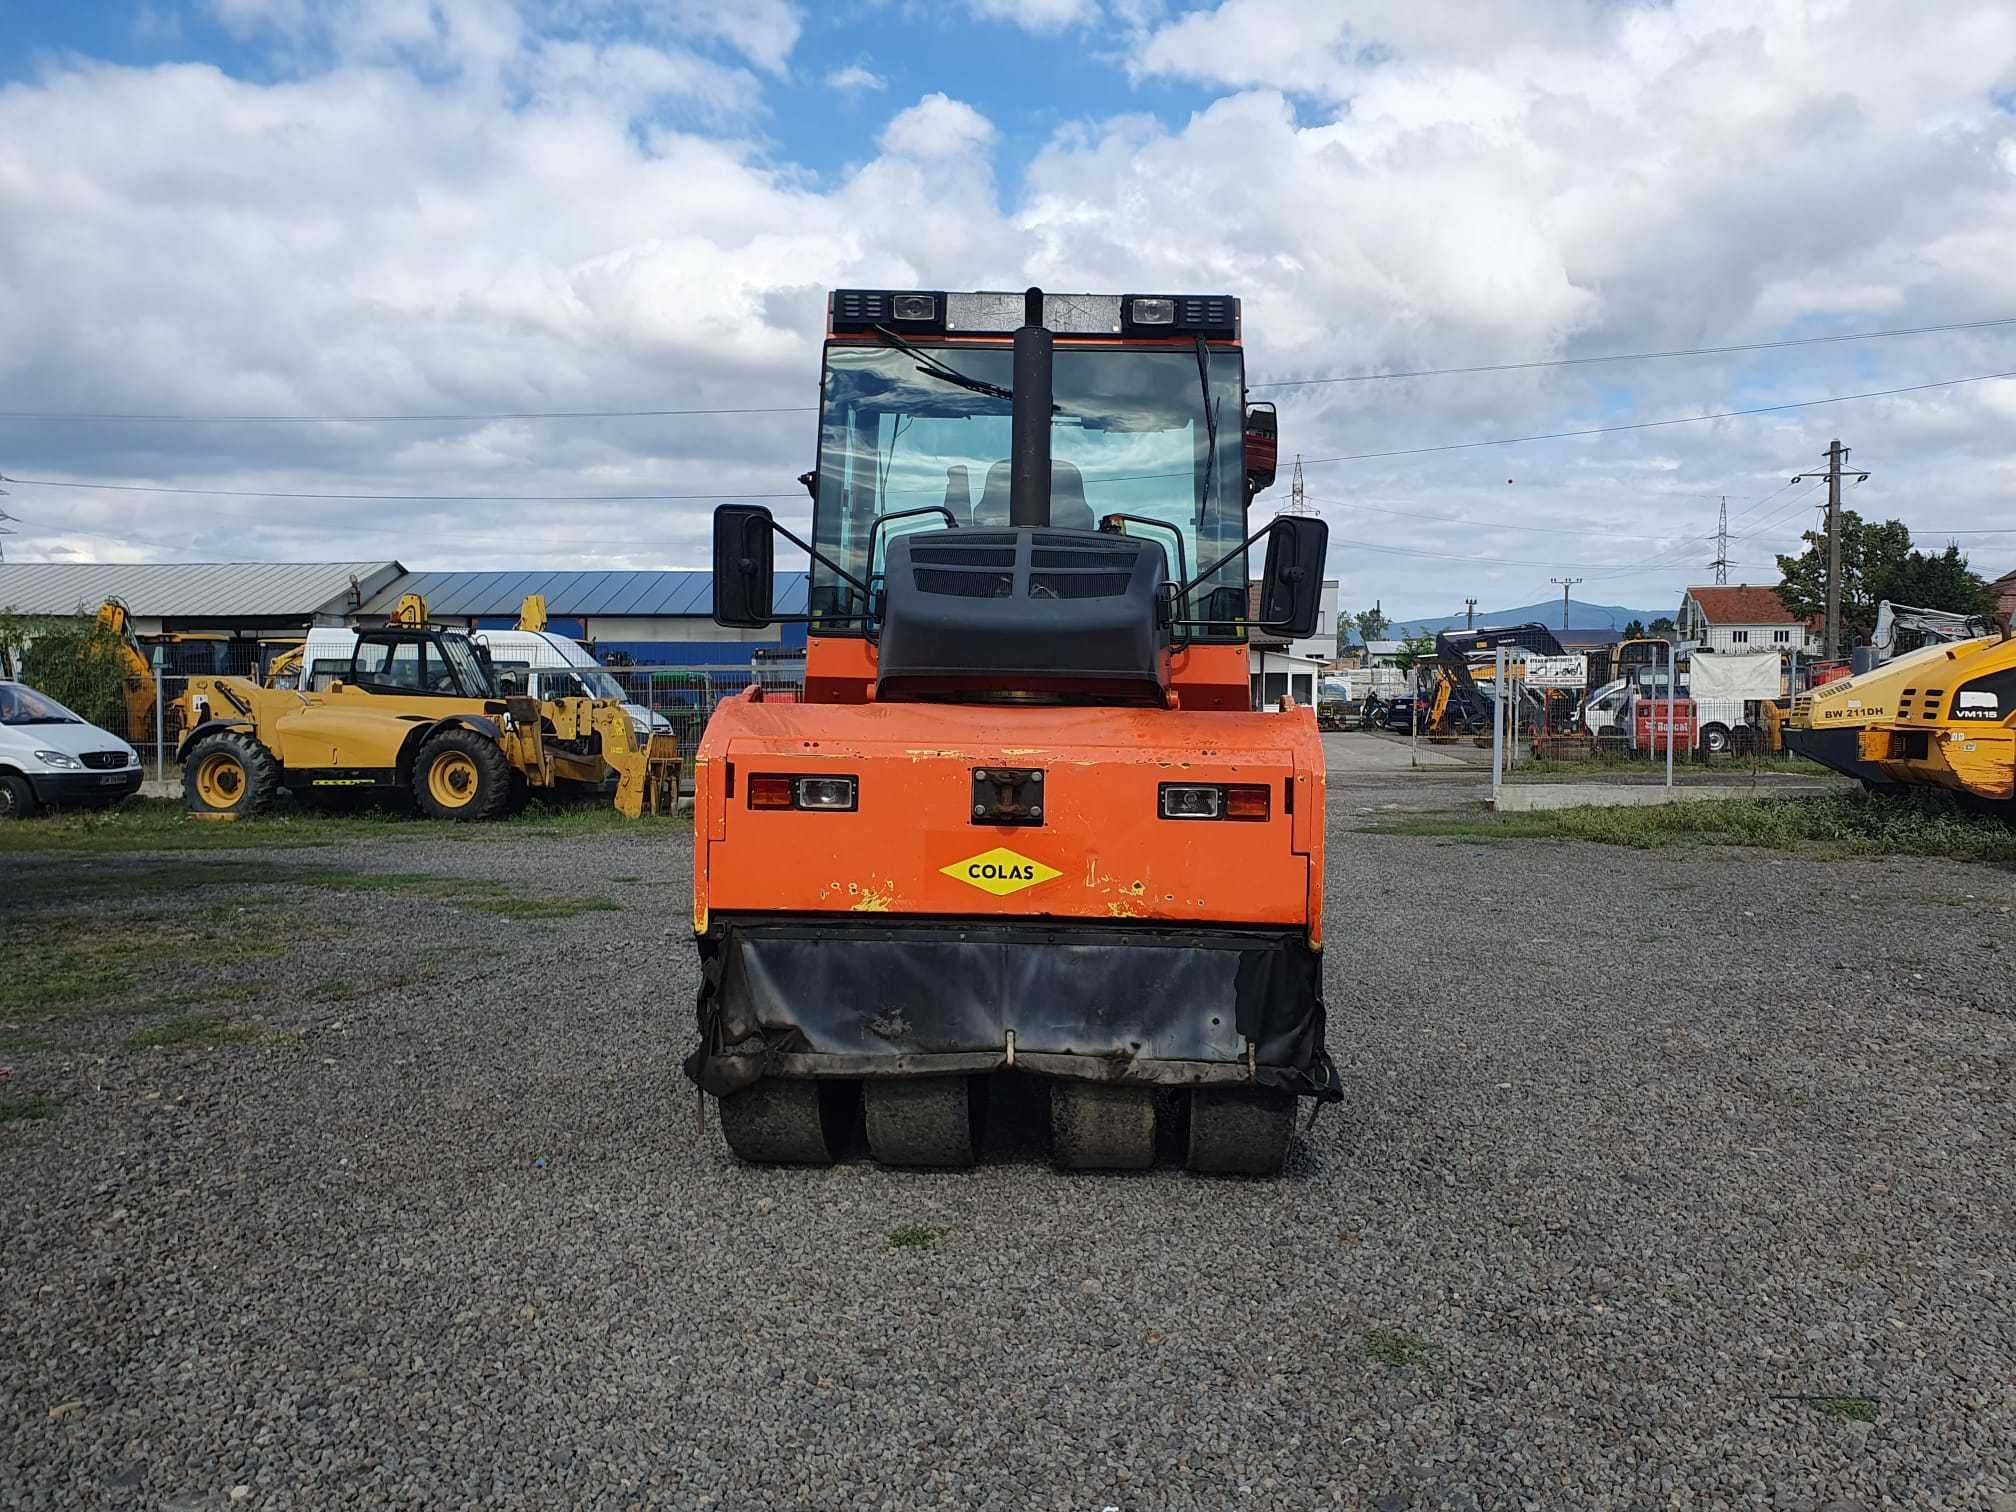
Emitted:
<point x="1726" y="691"/>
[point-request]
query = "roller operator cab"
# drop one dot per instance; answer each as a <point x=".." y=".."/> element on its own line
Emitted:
<point x="1023" y="819"/>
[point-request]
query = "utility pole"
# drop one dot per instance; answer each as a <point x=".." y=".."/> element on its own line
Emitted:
<point x="1830" y="646"/>
<point x="1721" y="564"/>
<point x="1469" y="614"/>
<point x="5" y="520"/>
<point x="1566" y="584"/>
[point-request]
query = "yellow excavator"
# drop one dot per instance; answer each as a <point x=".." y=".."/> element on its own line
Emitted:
<point x="418" y="713"/>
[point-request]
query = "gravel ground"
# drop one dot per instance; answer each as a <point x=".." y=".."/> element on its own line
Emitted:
<point x="1647" y="1156"/>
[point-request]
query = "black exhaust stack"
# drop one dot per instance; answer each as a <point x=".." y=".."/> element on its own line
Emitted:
<point x="1029" y="466"/>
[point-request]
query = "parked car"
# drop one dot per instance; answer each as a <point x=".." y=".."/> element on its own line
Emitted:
<point x="51" y="758"/>
<point x="1398" y="714"/>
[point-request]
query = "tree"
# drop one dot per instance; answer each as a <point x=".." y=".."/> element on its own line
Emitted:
<point x="1415" y="649"/>
<point x="1371" y="625"/>
<point x="1662" y="628"/>
<point x="1870" y="554"/>
<point x="1634" y="631"/>
<point x="74" y="659"/>
<point x="1941" y="580"/>
<point x="1345" y="619"/>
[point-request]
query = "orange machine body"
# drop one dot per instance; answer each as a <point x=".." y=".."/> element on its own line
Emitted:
<point x="1102" y="852"/>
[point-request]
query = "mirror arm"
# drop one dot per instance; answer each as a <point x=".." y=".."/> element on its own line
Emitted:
<point x="818" y="556"/>
<point x="1191" y="586"/>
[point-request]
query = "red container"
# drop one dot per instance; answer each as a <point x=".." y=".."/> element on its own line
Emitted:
<point x="1654" y="718"/>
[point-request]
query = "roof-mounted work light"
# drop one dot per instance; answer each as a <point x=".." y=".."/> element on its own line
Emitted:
<point x="908" y="310"/>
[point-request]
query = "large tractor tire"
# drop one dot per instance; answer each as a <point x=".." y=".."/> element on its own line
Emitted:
<point x="461" y="775"/>
<point x="229" y="773"/>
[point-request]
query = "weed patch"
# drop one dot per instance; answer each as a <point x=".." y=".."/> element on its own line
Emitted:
<point x="21" y="1109"/>
<point x="541" y="908"/>
<point x="1399" y="1350"/>
<point x="1854" y="1408"/>
<point x="914" y="1236"/>
<point x="195" y="1030"/>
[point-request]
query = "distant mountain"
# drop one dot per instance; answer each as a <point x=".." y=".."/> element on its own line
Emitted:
<point x="1581" y="616"/>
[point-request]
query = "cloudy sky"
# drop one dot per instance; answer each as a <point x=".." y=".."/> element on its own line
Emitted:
<point x="455" y="207"/>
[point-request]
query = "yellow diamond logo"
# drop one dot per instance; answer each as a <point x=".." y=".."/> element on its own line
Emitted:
<point x="1000" y="871"/>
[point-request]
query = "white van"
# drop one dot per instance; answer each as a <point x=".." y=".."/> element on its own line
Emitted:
<point x="49" y="757"/>
<point x="534" y="662"/>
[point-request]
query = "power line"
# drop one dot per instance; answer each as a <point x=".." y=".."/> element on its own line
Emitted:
<point x="398" y="498"/>
<point x="1714" y="351"/>
<point x="169" y="417"/>
<point x="179" y="417"/>
<point x="1638" y="425"/>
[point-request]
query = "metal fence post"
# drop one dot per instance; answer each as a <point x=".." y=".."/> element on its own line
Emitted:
<point x="1672" y="709"/>
<point x="160" y="725"/>
<point x="1498" y="727"/>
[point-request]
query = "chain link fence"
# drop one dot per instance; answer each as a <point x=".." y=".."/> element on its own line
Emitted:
<point x="1556" y="735"/>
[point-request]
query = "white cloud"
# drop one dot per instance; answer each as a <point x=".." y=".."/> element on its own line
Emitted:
<point x="1038" y="15"/>
<point x="856" y="78"/>
<point x="486" y="214"/>
<point x="936" y="127"/>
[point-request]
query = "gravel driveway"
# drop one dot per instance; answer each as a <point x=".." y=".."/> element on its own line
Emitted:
<point x="1671" y="1179"/>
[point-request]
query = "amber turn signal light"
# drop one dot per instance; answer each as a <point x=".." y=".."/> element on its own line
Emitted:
<point x="1244" y="801"/>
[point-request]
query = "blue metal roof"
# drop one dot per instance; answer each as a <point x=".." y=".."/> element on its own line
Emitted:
<point x="460" y="595"/>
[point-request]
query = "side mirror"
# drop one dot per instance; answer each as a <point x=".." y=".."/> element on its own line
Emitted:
<point x="1291" y="588"/>
<point x="1263" y="447"/>
<point x="744" y="567"/>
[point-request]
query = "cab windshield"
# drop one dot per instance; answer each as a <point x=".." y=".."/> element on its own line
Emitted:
<point x="1130" y="434"/>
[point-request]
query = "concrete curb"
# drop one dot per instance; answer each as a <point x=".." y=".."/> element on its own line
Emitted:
<point x="1534" y="797"/>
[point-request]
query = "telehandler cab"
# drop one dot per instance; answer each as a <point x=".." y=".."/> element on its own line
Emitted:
<point x="419" y="713"/>
<point x="1024" y="818"/>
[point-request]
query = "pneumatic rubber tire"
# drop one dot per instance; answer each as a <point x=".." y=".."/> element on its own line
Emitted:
<point x="17" y="798"/>
<point x="229" y="773"/>
<point x="461" y="775"/>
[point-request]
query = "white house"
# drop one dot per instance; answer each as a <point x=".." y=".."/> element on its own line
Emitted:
<point x="1279" y="666"/>
<point x="1740" y="619"/>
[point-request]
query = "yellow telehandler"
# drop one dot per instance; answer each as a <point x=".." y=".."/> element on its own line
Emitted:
<point x="418" y="713"/>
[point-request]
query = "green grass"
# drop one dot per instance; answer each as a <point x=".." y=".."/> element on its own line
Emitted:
<point x="1721" y="768"/>
<point x="58" y="961"/>
<point x="1856" y="1409"/>
<point x="20" y="1109"/>
<point x="197" y="1030"/>
<point x="1847" y="824"/>
<point x="161" y="824"/>
<point x="914" y="1236"/>
<point x="482" y="895"/>
<point x="1391" y="1347"/>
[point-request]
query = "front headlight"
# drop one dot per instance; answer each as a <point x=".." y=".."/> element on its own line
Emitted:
<point x="58" y="760"/>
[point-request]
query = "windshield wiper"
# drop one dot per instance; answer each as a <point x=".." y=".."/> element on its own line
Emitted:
<point x="931" y="367"/>
<point x="1210" y="431"/>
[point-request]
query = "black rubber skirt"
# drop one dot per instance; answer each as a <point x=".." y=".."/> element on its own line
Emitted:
<point x="845" y="997"/>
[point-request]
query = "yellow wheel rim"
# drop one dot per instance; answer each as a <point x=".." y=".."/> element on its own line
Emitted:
<point x="220" y="779"/>
<point x="452" y="780"/>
